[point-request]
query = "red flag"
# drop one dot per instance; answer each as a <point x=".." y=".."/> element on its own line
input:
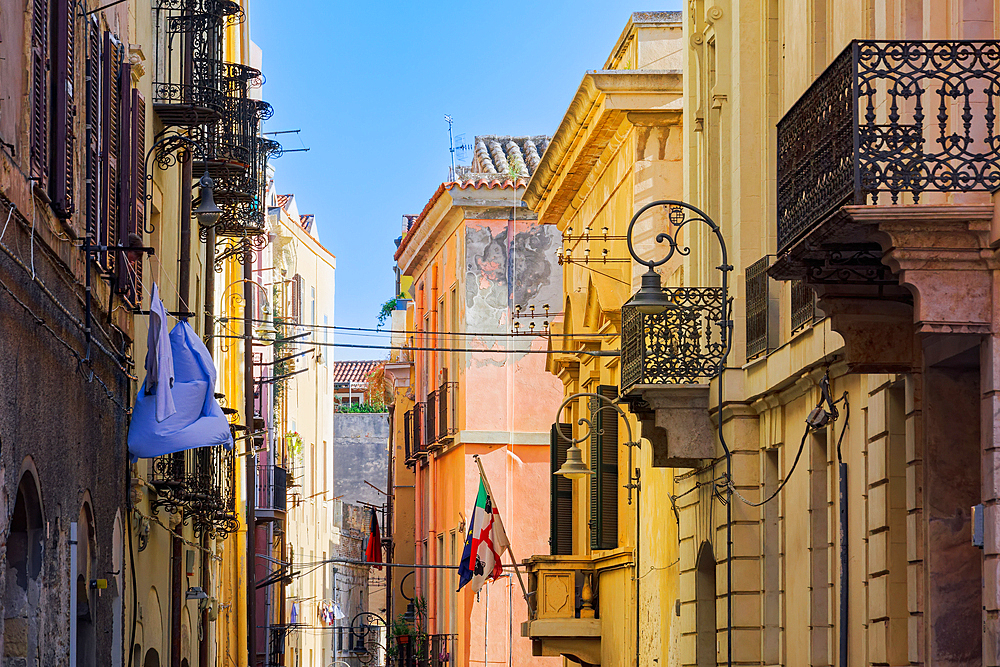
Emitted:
<point x="373" y="552"/>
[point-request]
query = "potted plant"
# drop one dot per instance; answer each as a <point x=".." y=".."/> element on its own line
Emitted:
<point x="401" y="630"/>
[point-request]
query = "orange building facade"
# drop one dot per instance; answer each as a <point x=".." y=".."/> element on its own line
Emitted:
<point x="486" y="285"/>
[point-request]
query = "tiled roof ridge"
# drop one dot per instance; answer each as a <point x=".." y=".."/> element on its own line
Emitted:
<point x="354" y="370"/>
<point x="494" y="154"/>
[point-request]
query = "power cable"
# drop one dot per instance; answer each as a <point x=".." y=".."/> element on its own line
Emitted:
<point x="817" y="419"/>
<point x="410" y="348"/>
<point x="424" y="333"/>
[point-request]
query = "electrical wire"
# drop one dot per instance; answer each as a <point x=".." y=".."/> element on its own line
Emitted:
<point x="410" y="348"/>
<point x="825" y="398"/>
<point x="427" y="333"/>
<point x="79" y="358"/>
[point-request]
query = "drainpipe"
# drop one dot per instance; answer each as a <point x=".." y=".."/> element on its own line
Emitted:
<point x="209" y="338"/>
<point x="175" y="598"/>
<point x="251" y="464"/>
<point x="72" y="591"/>
<point x="843" y="563"/>
<point x="184" y="270"/>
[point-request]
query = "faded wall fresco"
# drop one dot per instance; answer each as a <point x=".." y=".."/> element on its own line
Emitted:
<point x="490" y="260"/>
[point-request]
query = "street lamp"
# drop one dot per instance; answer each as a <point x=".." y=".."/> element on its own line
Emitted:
<point x="651" y="300"/>
<point x="208" y="213"/>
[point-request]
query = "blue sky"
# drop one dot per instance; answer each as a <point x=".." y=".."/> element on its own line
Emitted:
<point x="369" y="83"/>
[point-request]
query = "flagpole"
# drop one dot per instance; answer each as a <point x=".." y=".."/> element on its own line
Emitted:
<point x="513" y="558"/>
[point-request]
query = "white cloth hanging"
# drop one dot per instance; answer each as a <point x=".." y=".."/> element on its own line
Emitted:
<point x="159" y="358"/>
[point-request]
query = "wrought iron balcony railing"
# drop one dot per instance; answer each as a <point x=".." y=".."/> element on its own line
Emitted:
<point x="430" y="415"/>
<point x="758" y="310"/>
<point x="201" y="483"/>
<point x="188" y="78"/>
<point x="803" y="306"/>
<point x="422" y="650"/>
<point x="678" y="346"/>
<point x="447" y="423"/>
<point x="236" y="154"/>
<point x="271" y="488"/>
<point x="900" y="117"/>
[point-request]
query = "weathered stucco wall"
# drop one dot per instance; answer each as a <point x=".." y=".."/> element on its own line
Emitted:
<point x="360" y="452"/>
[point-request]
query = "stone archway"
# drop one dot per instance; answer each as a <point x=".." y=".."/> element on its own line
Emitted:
<point x="705" y="605"/>
<point x="23" y="574"/>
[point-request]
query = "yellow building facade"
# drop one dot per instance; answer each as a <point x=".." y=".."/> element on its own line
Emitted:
<point x="618" y="147"/>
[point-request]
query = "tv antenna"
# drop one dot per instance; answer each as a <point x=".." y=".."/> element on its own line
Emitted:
<point x="462" y="148"/>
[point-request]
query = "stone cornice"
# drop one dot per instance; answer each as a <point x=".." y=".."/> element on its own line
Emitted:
<point x="600" y="104"/>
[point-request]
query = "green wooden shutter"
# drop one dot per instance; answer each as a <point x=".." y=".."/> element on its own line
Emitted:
<point x="604" y="463"/>
<point x="560" y="494"/>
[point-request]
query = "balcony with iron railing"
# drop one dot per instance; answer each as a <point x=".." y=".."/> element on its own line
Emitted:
<point x="430" y="421"/>
<point x="200" y="483"/>
<point x="236" y="155"/>
<point x="414" y="435"/>
<point x="271" y="492"/>
<point x="887" y="124"/>
<point x="188" y="86"/>
<point x="666" y="363"/>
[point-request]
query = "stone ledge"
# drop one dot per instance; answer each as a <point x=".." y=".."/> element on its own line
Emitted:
<point x="675" y="420"/>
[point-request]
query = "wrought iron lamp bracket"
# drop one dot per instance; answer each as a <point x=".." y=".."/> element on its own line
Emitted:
<point x="165" y="149"/>
<point x="596" y="407"/>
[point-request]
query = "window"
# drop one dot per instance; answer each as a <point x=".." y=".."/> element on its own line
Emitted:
<point x="297" y="287"/>
<point x="560" y="493"/>
<point x="604" y="463"/>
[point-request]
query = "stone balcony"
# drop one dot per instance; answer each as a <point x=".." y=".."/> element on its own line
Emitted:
<point x="564" y="620"/>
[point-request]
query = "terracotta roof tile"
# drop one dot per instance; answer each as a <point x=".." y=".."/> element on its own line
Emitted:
<point x="307" y="220"/>
<point x="283" y="200"/>
<point x="493" y="157"/>
<point x="354" y="371"/>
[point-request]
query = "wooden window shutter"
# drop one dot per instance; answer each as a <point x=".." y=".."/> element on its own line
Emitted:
<point x="92" y="116"/>
<point x="560" y="494"/>
<point x="63" y="107"/>
<point x="132" y="190"/>
<point x="111" y="103"/>
<point x="604" y="463"/>
<point x="39" y="132"/>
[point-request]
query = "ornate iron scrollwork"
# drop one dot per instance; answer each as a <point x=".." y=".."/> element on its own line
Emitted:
<point x="890" y="117"/>
<point x="680" y="346"/>
<point x="188" y="74"/>
<point x="201" y="483"/>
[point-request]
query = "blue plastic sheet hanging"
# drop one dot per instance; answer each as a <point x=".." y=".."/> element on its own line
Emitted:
<point x="198" y="421"/>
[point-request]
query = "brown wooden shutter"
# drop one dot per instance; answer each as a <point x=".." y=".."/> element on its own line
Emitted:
<point x="63" y="107"/>
<point x="604" y="463"/>
<point x="38" y="146"/>
<point x="132" y="189"/>
<point x="92" y="115"/>
<point x="111" y="102"/>
<point x="560" y="493"/>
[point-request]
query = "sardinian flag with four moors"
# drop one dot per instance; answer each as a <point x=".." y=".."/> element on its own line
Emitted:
<point x="484" y="544"/>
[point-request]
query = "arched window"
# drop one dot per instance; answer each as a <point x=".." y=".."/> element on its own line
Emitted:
<point x="24" y="575"/>
<point x="86" y="600"/>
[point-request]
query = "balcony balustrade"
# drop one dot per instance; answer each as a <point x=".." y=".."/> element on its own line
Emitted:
<point x="430" y="419"/>
<point x="271" y="492"/>
<point x="188" y="67"/>
<point x="678" y="346"/>
<point x="564" y="619"/>
<point x="887" y="122"/>
<point x="201" y="483"/>
<point x="758" y="308"/>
